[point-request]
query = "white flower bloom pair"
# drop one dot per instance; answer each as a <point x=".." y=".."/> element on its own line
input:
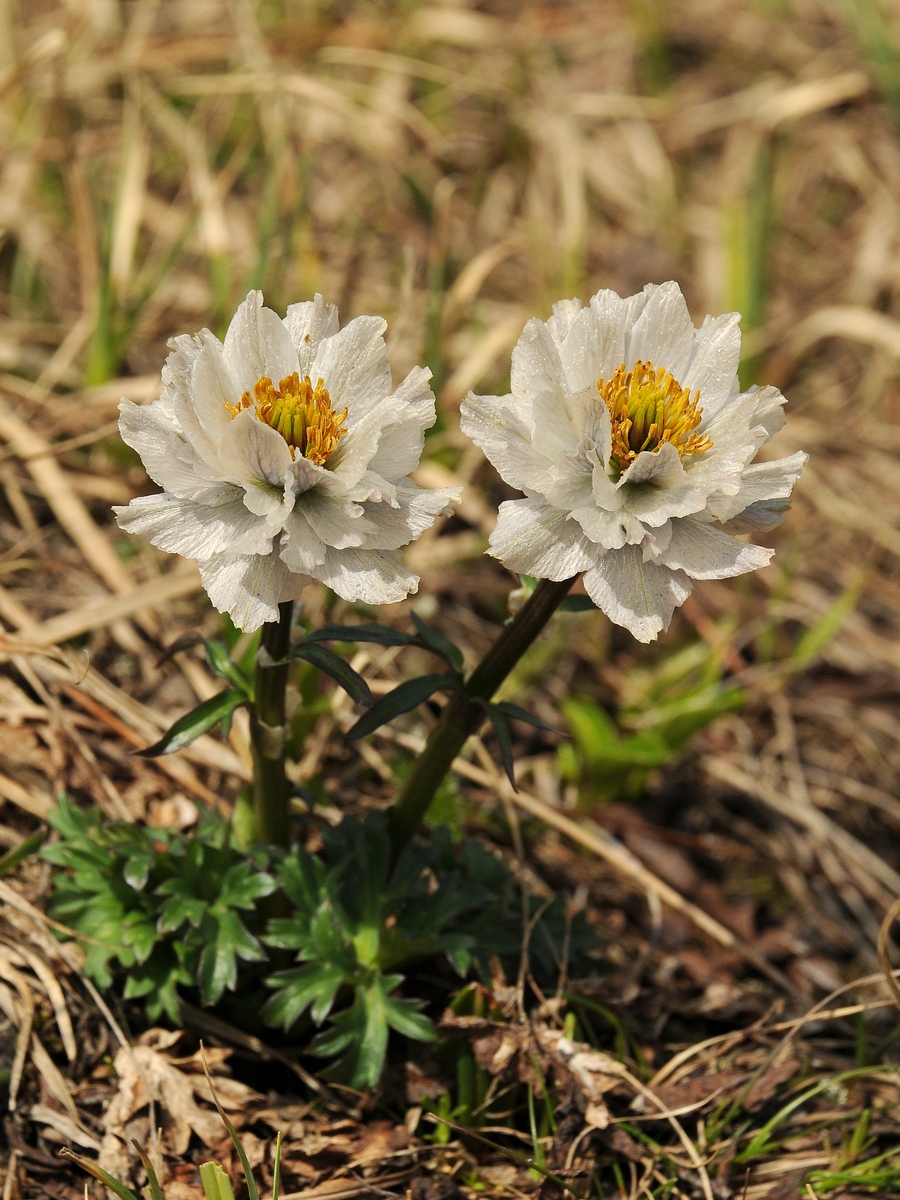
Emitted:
<point x="285" y="457"/>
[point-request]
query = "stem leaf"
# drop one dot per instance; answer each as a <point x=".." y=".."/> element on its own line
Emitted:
<point x="437" y="643"/>
<point x="340" y="671"/>
<point x="407" y="696"/>
<point x="199" y="720"/>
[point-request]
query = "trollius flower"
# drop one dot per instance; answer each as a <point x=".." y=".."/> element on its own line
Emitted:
<point x="628" y="433"/>
<point x="285" y="456"/>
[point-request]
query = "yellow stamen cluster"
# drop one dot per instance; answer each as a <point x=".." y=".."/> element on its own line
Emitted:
<point x="300" y="412"/>
<point x="649" y="407"/>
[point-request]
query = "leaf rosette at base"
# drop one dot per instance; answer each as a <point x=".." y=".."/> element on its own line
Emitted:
<point x="285" y="457"/>
<point x="628" y="433"/>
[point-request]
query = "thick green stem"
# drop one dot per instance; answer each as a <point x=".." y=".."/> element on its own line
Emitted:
<point x="464" y="714"/>
<point x="268" y="734"/>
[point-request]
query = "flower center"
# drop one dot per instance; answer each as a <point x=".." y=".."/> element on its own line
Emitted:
<point x="301" y="413"/>
<point x="648" y="407"/>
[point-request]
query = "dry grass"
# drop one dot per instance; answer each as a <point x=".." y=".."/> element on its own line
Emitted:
<point x="457" y="169"/>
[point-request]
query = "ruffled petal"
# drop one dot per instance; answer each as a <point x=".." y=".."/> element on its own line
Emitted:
<point x="369" y="576"/>
<point x="713" y="368"/>
<point x="664" y="333"/>
<point x="196" y="530"/>
<point x="258" y="345"/>
<point x="706" y="551"/>
<point x="302" y="550"/>
<point x="564" y="313"/>
<point x="388" y="528"/>
<point x="611" y="530"/>
<point x="338" y="521"/>
<point x="253" y="455"/>
<point x="640" y="596"/>
<point x="764" y="481"/>
<point x="401" y="444"/>
<point x="168" y="458"/>
<point x="250" y="588"/>
<point x="353" y="363"/>
<point x="539" y="384"/>
<point x="501" y="427"/>
<point x="533" y="538"/>
<point x="595" y="343"/>
<point x="309" y="324"/>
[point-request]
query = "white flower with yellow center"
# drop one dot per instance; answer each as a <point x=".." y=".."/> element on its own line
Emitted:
<point x="629" y="435"/>
<point x="285" y="457"/>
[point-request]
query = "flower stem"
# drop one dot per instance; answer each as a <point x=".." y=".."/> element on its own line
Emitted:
<point x="268" y="735"/>
<point x="463" y="714"/>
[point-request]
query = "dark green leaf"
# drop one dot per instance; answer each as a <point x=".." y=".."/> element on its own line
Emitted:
<point x="199" y="720"/>
<point x="521" y="714"/>
<point x="438" y="644"/>
<point x="381" y="635"/>
<point x="340" y="671"/>
<point x="407" y="696"/>
<point x="504" y="740"/>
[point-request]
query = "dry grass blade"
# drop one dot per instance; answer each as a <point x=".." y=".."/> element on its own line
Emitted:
<point x="883" y="953"/>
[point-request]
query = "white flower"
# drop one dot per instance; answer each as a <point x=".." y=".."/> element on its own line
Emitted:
<point x="629" y="435"/>
<point x="285" y="457"/>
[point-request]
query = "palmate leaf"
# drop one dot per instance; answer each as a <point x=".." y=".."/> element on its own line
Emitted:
<point x="340" y="671"/>
<point x="407" y="696"/>
<point x="224" y="939"/>
<point x="199" y="720"/>
<point x="313" y="986"/>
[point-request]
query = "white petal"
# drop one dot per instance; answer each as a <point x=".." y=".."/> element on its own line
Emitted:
<point x="258" y="345"/>
<point x="539" y="384"/>
<point x="168" y="458"/>
<point x="371" y="576"/>
<point x="664" y="332"/>
<point x="358" y="447"/>
<point x="353" y="363"/>
<point x="302" y="550"/>
<point x="713" y="369"/>
<point x="338" y="521"/>
<point x="569" y="482"/>
<point x="657" y="487"/>
<point x="637" y="595"/>
<point x="706" y="551"/>
<point x="761" y="482"/>
<point x="498" y="426"/>
<point x="564" y="313"/>
<point x="400" y="445"/>
<point x="611" y="530"/>
<point x="390" y="528"/>
<point x="196" y="530"/>
<point x="595" y="344"/>
<point x="769" y="409"/>
<point x="534" y="539"/>
<point x="196" y="385"/>
<point x="309" y="324"/>
<point x="250" y="588"/>
<point x="253" y="455"/>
